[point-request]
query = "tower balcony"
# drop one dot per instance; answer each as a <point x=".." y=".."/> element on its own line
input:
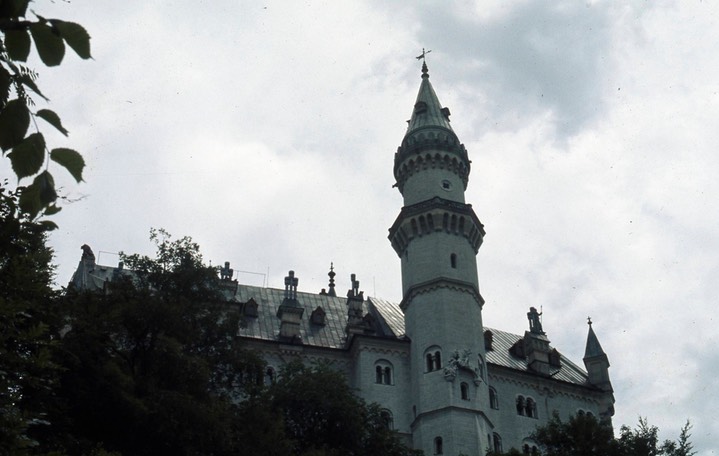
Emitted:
<point x="436" y="215"/>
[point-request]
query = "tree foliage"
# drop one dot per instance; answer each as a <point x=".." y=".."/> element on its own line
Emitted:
<point x="27" y="373"/>
<point x="152" y="365"/>
<point x="585" y="435"/>
<point x="28" y="153"/>
<point x="312" y="411"/>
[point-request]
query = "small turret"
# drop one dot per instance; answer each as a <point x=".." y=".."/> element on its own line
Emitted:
<point x="357" y="321"/>
<point x="597" y="365"/>
<point x="290" y="311"/>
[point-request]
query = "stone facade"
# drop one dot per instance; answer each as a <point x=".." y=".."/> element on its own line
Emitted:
<point x="448" y="384"/>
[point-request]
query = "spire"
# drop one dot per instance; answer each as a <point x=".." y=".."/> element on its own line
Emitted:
<point x="597" y="364"/>
<point x="594" y="348"/>
<point x="428" y="111"/>
<point x="429" y="130"/>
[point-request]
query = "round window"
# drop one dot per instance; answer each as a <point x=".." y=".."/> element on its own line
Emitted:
<point x="446" y="185"/>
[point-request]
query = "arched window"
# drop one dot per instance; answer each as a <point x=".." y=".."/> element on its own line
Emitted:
<point x="438" y="445"/>
<point x="383" y="372"/>
<point x="497" y="443"/>
<point x="387" y="420"/>
<point x="493" y="399"/>
<point x="464" y="391"/>
<point x="433" y="358"/>
<point x="530" y="408"/>
<point x="453" y="260"/>
<point x="520" y="405"/>
<point x="269" y="376"/>
<point x="529" y="447"/>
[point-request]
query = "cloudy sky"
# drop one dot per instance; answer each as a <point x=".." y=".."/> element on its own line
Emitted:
<point x="266" y="131"/>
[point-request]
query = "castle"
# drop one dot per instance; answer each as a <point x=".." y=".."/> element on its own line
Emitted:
<point x="448" y="384"/>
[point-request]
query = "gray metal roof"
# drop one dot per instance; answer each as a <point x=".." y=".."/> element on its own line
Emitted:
<point x="388" y="320"/>
<point x="501" y="355"/>
<point x="593" y="347"/>
<point x="431" y="115"/>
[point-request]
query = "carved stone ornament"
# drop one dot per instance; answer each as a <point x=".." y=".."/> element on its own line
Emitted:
<point x="461" y="360"/>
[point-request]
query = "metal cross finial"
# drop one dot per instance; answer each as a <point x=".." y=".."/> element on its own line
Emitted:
<point x="423" y="54"/>
<point x="589" y="321"/>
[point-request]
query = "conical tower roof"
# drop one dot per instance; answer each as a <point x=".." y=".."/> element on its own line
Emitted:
<point x="429" y="131"/>
<point x="593" y="348"/>
<point x="428" y="112"/>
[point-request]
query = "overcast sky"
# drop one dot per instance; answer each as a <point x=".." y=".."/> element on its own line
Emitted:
<point x="266" y="131"/>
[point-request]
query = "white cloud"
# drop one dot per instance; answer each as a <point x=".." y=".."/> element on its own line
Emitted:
<point x="268" y="135"/>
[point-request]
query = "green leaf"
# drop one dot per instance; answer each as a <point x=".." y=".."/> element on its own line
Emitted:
<point x="75" y="36"/>
<point x="53" y="119"/>
<point x="46" y="185"/>
<point x="47" y="225"/>
<point x="28" y="156"/>
<point x="26" y="79"/>
<point x="17" y="43"/>
<point x="52" y="210"/>
<point x="13" y="8"/>
<point x="14" y="121"/>
<point x="30" y="200"/>
<point x="48" y="43"/>
<point x="71" y="160"/>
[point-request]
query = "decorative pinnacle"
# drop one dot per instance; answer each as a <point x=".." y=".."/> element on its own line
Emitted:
<point x="332" y="275"/>
<point x="291" y="286"/>
<point x="423" y="58"/>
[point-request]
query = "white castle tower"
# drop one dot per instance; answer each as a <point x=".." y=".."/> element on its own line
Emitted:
<point x="437" y="236"/>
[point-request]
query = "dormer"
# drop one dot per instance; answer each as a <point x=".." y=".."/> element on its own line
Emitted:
<point x="250" y="308"/>
<point x="318" y="316"/>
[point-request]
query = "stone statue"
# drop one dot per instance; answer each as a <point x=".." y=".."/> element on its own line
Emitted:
<point x="226" y="272"/>
<point x="87" y="253"/>
<point x="535" y="325"/>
